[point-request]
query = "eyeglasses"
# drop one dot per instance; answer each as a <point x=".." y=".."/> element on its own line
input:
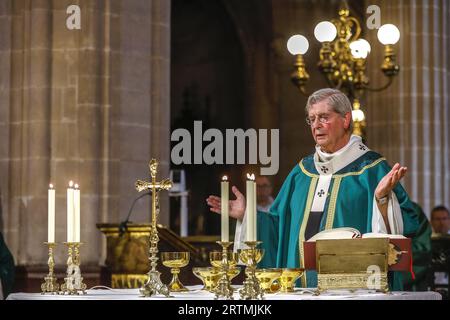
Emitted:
<point x="323" y="119"/>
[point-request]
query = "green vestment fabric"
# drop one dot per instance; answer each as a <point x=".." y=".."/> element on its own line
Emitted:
<point x="421" y="248"/>
<point x="349" y="203"/>
<point x="6" y="268"/>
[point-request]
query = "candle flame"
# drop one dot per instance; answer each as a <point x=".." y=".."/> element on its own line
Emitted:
<point x="224" y="178"/>
<point x="51" y="186"/>
<point x="71" y="183"/>
<point x="251" y="177"/>
<point x="76" y="186"/>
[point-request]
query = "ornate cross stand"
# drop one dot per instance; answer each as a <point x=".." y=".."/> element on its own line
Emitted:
<point x="153" y="284"/>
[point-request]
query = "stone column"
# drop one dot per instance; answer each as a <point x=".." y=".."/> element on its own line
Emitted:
<point x="29" y="142"/>
<point x="89" y="105"/>
<point x="160" y="95"/>
<point x="5" y="83"/>
<point x="408" y="123"/>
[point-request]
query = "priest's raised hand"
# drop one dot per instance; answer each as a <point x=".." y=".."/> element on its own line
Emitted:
<point x="390" y="180"/>
<point x="237" y="207"/>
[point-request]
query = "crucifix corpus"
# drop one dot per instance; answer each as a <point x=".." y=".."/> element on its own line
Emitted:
<point x="153" y="284"/>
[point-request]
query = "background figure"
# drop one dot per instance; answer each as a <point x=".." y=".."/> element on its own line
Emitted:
<point x="421" y="251"/>
<point x="440" y="220"/>
<point x="6" y="269"/>
<point x="264" y="197"/>
<point x="440" y="245"/>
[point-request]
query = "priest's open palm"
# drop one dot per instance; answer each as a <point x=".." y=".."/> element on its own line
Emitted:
<point x="237" y="207"/>
<point x="390" y="180"/>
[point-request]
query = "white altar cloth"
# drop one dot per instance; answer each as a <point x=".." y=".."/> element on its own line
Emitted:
<point x="195" y="293"/>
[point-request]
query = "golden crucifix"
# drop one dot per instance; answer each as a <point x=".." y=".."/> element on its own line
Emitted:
<point x="154" y="285"/>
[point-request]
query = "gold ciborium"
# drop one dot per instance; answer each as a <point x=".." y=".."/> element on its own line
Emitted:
<point x="210" y="276"/>
<point x="288" y="278"/>
<point x="175" y="261"/>
<point x="215" y="258"/>
<point x="269" y="279"/>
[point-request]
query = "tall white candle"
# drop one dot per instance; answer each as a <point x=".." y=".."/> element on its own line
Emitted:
<point x="76" y="205"/>
<point x="51" y="215"/>
<point x="251" y="208"/>
<point x="224" y="196"/>
<point x="70" y="213"/>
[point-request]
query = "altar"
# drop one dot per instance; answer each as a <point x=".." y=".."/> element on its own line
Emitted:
<point x="196" y="293"/>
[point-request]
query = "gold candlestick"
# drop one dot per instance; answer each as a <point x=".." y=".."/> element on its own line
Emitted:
<point x="73" y="284"/>
<point x="153" y="284"/>
<point x="251" y="256"/>
<point x="224" y="288"/>
<point x="50" y="285"/>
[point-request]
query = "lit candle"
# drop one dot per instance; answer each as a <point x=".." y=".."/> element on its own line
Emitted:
<point x="51" y="214"/>
<point x="251" y="207"/>
<point x="70" y="213"/>
<point x="76" y="205"/>
<point x="224" y="209"/>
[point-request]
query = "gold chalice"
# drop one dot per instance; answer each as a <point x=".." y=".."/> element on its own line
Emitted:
<point x="246" y="255"/>
<point x="210" y="276"/>
<point x="215" y="257"/>
<point x="288" y="278"/>
<point x="175" y="261"/>
<point x="268" y="279"/>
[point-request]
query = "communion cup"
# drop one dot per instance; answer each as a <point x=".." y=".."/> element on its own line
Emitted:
<point x="175" y="261"/>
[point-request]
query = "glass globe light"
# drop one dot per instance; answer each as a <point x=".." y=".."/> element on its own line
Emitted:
<point x="325" y="31"/>
<point x="388" y="34"/>
<point x="297" y="44"/>
<point x="360" y="48"/>
<point x="358" y="115"/>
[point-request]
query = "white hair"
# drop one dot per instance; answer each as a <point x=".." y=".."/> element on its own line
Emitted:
<point x="336" y="99"/>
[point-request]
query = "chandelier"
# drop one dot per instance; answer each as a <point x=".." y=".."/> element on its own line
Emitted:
<point x="342" y="59"/>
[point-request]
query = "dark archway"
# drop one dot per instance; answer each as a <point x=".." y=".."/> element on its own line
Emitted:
<point x="208" y="85"/>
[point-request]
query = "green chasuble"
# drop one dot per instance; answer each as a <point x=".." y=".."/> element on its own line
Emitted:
<point x="421" y="249"/>
<point x="6" y="268"/>
<point x="349" y="203"/>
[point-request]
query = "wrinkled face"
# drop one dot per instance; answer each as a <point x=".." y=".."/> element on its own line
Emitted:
<point x="328" y="127"/>
<point x="440" y="221"/>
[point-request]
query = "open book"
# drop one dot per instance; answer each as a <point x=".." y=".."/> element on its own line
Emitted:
<point x="351" y="233"/>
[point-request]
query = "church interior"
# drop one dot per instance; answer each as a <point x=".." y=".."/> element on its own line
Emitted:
<point x="92" y="90"/>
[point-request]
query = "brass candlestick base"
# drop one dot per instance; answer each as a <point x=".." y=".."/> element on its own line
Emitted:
<point x="73" y="283"/>
<point x="251" y="256"/>
<point x="153" y="285"/>
<point x="224" y="288"/>
<point x="50" y="284"/>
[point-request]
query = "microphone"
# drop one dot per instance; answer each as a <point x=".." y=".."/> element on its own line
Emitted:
<point x="123" y="225"/>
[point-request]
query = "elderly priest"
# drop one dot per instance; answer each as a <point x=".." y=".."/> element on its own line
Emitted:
<point x="343" y="184"/>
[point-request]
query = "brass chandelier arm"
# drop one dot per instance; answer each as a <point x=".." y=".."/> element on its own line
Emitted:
<point x="357" y="28"/>
<point x="390" y="80"/>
